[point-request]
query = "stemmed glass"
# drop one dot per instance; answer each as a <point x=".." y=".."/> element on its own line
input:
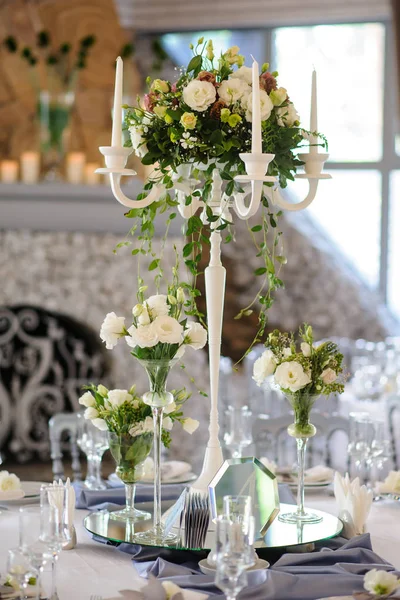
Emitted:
<point x="30" y="544"/>
<point x="20" y="568"/>
<point x="238" y="433"/>
<point x="93" y="443"/>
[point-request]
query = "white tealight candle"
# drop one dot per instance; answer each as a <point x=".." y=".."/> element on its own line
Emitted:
<point x="30" y="167"/>
<point x="92" y="178"/>
<point x="116" y="137"/>
<point x="256" y="144"/>
<point x="75" y="167"/>
<point x="314" y="112"/>
<point x="9" y="171"/>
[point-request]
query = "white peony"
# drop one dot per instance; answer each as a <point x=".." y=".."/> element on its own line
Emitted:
<point x="380" y="583"/>
<point x="138" y="141"/>
<point x="112" y="329"/>
<point x="287" y="115"/>
<point x="167" y="423"/>
<point x="87" y="400"/>
<point x="100" y="424"/>
<point x="195" y="336"/>
<point x="328" y="376"/>
<point x="145" y="336"/>
<point x="233" y="90"/>
<point x="91" y="413"/>
<point x="169" y="408"/>
<point x="190" y="425"/>
<point x="291" y="376"/>
<point x="306" y="349"/>
<point x="168" y="330"/>
<point x="157" y="305"/>
<point x="118" y="397"/>
<point x="144" y="317"/>
<point x="264" y="366"/>
<point x="170" y="589"/>
<point x="199" y="95"/>
<point x="266" y="106"/>
<point x="9" y="482"/>
<point x="244" y="73"/>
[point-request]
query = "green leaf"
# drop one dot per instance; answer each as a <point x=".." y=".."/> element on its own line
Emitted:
<point x="260" y="271"/>
<point x="154" y="264"/>
<point x="256" y="228"/>
<point x="195" y="63"/>
<point x="187" y="250"/>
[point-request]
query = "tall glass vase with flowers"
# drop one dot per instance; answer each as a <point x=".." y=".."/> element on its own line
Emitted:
<point x="158" y="336"/>
<point x="303" y="375"/>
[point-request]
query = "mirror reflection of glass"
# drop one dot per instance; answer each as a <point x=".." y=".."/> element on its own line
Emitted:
<point x="238" y="433"/>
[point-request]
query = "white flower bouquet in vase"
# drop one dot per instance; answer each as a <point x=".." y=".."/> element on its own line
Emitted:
<point x="303" y="375"/>
<point x="158" y="336"/>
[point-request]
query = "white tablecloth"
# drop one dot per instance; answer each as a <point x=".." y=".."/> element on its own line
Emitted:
<point x="93" y="568"/>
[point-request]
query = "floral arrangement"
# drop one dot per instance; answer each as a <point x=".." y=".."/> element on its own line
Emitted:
<point x="204" y="121"/>
<point x="302" y="374"/>
<point x="124" y="412"/>
<point x="381" y="584"/>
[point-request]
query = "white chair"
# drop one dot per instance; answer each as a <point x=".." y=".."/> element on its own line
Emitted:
<point x="58" y="425"/>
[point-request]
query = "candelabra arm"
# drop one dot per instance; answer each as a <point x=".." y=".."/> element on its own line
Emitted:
<point x="278" y="200"/>
<point x="242" y="211"/>
<point x="154" y="194"/>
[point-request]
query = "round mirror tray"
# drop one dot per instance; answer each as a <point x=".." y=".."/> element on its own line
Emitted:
<point x="282" y="536"/>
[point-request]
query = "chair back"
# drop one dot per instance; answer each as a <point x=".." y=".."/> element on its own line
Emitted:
<point x="58" y="426"/>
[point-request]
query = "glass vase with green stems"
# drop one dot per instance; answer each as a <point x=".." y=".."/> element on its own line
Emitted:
<point x="129" y="453"/>
<point x="302" y="430"/>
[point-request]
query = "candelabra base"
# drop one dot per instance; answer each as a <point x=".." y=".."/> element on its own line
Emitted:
<point x="213" y="460"/>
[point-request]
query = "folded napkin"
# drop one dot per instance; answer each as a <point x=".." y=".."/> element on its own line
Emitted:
<point x="304" y="576"/>
<point x="354" y="503"/>
<point x="115" y="497"/>
<point x="391" y="485"/>
<point x="318" y="474"/>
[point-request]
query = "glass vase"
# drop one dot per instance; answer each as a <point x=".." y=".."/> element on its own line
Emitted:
<point x="54" y="113"/>
<point x="129" y="454"/>
<point x="302" y="430"/>
<point x="158" y="398"/>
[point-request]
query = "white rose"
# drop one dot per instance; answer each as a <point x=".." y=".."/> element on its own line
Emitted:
<point x="144" y="336"/>
<point x="195" y="336"/>
<point x="138" y="141"/>
<point x="87" y="400"/>
<point x="144" y="317"/>
<point x="287" y="115"/>
<point x="157" y="305"/>
<point x="291" y="376"/>
<point x="118" y="397"/>
<point x="190" y="425"/>
<point x="9" y="482"/>
<point x="306" y="349"/>
<point x="167" y="423"/>
<point x="380" y="583"/>
<point x="112" y="329"/>
<point x="169" y="408"/>
<point x="266" y="106"/>
<point x="199" y="95"/>
<point x="171" y="589"/>
<point x="100" y="424"/>
<point x="328" y="376"/>
<point x="169" y="331"/>
<point x="232" y="90"/>
<point x="264" y="366"/>
<point x="91" y="413"/>
<point x="244" y="73"/>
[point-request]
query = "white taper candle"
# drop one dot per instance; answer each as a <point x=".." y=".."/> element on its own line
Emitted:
<point x="116" y="138"/>
<point x="314" y="112"/>
<point x="256" y="144"/>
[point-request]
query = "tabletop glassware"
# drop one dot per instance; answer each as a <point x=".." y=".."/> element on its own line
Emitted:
<point x="30" y="522"/>
<point x="20" y="568"/>
<point x="238" y="434"/>
<point x="232" y="556"/>
<point x="93" y="443"/>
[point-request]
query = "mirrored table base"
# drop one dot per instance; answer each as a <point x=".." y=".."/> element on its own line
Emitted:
<point x="284" y="536"/>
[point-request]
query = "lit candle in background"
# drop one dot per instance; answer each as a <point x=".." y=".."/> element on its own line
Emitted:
<point x="256" y="145"/>
<point x="116" y="137"/>
<point x="314" y="112"/>
<point x="30" y="167"/>
<point x="92" y="178"/>
<point x="9" y="171"/>
<point x="75" y="167"/>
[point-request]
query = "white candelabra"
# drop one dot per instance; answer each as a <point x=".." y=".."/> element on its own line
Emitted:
<point x="215" y="275"/>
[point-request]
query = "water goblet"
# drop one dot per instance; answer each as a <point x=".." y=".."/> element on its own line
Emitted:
<point x="232" y="556"/>
<point x="20" y="569"/>
<point x="30" y="543"/>
<point x="238" y="433"/>
<point x="93" y="443"/>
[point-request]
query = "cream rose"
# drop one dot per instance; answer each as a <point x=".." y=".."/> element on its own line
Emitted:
<point x="118" y="397"/>
<point x="380" y="583"/>
<point x="287" y="116"/>
<point x="157" y="305"/>
<point x="244" y="73"/>
<point x="233" y="90"/>
<point x="291" y="376"/>
<point x="190" y="425"/>
<point x="100" y="424"/>
<point x="144" y="336"/>
<point x="266" y="106"/>
<point x="168" y="330"/>
<point x="112" y="329"/>
<point x="138" y="141"/>
<point x="188" y="120"/>
<point x="199" y="95"/>
<point x="328" y="376"/>
<point x="9" y="482"/>
<point x="87" y="399"/>
<point x="264" y="366"/>
<point x="278" y="96"/>
<point x="195" y="336"/>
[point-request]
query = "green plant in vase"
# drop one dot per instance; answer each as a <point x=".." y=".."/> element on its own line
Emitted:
<point x="130" y="431"/>
<point x="303" y="374"/>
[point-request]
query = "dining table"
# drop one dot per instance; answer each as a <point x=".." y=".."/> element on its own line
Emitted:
<point x="96" y="569"/>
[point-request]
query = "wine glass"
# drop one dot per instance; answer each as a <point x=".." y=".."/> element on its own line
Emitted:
<point x="20" y="569"/>
<point x="93" y="443"/>
<point x="238" y="433"/>
<point x="30" y="543"/>
<point x="232" y="556"/>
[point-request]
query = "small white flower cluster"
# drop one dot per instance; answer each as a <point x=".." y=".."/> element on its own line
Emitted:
<point x="112" y="399"/>
<point x="381" y="583"/>
<point x="9" y="482"/>
<point x="187" y="140"/>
